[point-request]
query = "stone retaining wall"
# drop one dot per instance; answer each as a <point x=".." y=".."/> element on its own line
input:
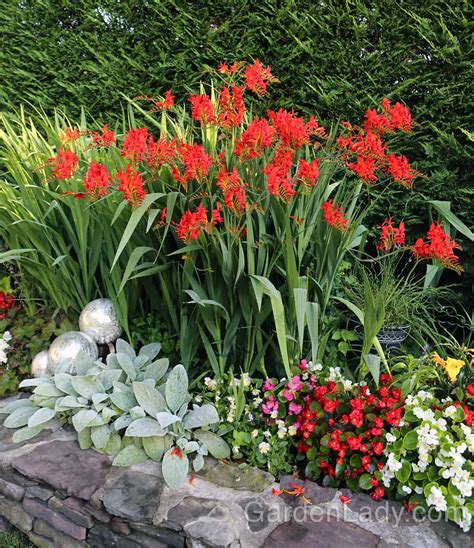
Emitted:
<point x="63" y="497"/>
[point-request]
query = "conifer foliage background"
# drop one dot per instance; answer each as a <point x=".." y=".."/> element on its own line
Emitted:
<point x="335" y="58"/>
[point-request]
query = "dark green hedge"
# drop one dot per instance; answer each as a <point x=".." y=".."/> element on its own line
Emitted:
<point x="334" y="58"/>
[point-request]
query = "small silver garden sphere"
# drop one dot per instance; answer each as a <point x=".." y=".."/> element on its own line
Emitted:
<point x="39" y="364"/>
<point x="100" y="322"/>
<point x="67" y="346"/>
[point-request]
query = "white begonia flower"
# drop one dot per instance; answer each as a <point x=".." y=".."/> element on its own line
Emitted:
<point x="7" y="336"/>
<point x="449" y="411"/>
<point x="264" y="447"/>
<point x="198" y="398"/>
<point x="254" y="433"/>
<point x="274" y="414"/>
<point x="437" y="499"/>
<point x="390" y="437"/>
<point x="463" y="518"/>
<point x="282" y="433"/>
<point x="406" y="489"/>
<point x="347" y="384"/>
<point x="267" y="434"/>
<point x="235" y="450"/>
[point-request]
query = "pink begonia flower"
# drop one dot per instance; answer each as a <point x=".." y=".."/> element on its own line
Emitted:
<point x="268" y="386"/>
<point x="270" y="406"/>
<point x="288" y="395"/>
<point x="295" y="383"/>
<point x="295" y="408"/>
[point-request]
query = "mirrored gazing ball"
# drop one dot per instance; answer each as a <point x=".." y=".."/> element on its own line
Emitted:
<point x="100" y="322"/>
<point x="39" y="364"/>
<point x="67" y="346"/>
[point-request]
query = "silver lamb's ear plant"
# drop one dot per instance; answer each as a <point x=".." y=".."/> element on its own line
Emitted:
<point x="130" y="407"/>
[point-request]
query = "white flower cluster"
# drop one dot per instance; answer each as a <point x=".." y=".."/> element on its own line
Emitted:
<point x="388" y="471"/>
<point x="446" y="443"/>
<point x="4" y="346"/>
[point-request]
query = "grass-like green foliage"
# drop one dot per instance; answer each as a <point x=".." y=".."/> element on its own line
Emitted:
<point x="333" y="59"/>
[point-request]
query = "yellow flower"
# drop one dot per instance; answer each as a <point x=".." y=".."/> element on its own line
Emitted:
<point x="453" y="367"/>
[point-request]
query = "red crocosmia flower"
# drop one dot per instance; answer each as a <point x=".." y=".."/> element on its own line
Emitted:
<point x="313" y="128"/>
<point x="161" y="152"/>
<point x="369" y="145"/>
<point x="309" y="173"/>
<point x="377" y="122"/>
<point x="192" y="223"/>
<point x="166" y="104"/>
<point x="202" y="109"/>
<point x="276" y="492"/>
<point x="231" y="107"/>
<point x="291" y="129"/>
<point x="195" y="163"/>
<point x="399" y="115"/>
<point x="378" y="493"/>
<point x="440" y="247"/>
<point x="279" y="182"/>
<point x="401" y="170"/>
<point x="409" y="507"/>
<point x="216" y="214"/>
<point x="391" y="235"/>
<point x="233" y="189"/>
<point x="135" y="145"/>
<point x="104" y="139"/>
<point x="421" y="249"/>
<point x="96" y="181"/>
<point x="176" y="452"/>
<point x="364" y="168"/>
<point x="297" y="490"/>
<point x="70" y="135"/>
<point x="65" y="164"/>
<point x="345" y="500"/>
<point x="131" y="185"/>
<point x="470" y="389"/>
<point x="334" y="216"/>
<point x="257" y="78"/>
<point x="224" y="68"/>
<point x="255" y="139"/>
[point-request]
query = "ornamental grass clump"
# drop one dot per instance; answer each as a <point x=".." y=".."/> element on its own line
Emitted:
<point x="131" y="408"/>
